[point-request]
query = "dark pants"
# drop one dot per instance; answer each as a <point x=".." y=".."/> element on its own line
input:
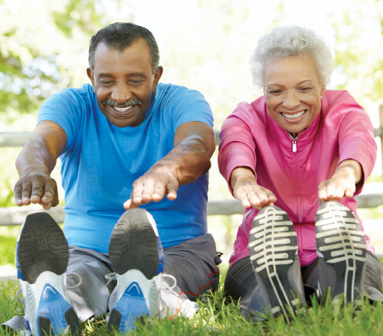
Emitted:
<point x="241" y="282"/>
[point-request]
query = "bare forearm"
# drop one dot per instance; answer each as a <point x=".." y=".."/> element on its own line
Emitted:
<point x="188" y="160"/>
<point x="35" y="163"/>
<point x="35" y="157"/>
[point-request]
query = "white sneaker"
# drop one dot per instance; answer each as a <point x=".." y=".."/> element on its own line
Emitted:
<point x="136" y="255"/>
<point x="41" y="259"/>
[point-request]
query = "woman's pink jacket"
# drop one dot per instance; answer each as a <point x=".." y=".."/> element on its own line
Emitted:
<point x="251" y="138"/>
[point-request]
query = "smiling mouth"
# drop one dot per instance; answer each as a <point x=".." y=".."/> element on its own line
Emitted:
<point x="293" y="116"/>
<point x="122" y="110"/>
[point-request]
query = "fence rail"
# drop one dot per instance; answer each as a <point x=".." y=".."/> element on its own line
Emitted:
<point x="16" y="215"/>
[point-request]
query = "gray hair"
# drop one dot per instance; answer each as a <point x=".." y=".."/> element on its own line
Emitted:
<point x="288" y="41"/>
<point x="121" y="35"/>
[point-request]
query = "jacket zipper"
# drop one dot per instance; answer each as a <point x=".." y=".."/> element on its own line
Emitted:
<point x="299" y="196"/>
<point x="294" y="142"/>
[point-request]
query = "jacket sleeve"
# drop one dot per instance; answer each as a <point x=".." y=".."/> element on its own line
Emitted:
<point x="355" y="135"/>
<point x="237" y="147"/>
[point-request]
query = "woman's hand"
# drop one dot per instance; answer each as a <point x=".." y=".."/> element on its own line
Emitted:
<point x="247" y="191"/>
<point x="342" y="183"/>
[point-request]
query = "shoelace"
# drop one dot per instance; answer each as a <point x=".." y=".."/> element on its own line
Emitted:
<point x="164" y="285"/>
<point x="77" y="284"/>
<point x="18" y="297"/>
<point x="110" y="277"/>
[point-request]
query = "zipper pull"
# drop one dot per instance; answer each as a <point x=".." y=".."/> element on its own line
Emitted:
<point x="294" y="145"/>
<point x="294" y="142"/>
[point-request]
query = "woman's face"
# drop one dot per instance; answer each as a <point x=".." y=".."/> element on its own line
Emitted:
<point x="293" y="92"/>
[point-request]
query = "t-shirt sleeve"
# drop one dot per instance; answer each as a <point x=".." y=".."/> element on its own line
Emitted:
<point x="65" y="110"/>
<point x="186" y="105"/>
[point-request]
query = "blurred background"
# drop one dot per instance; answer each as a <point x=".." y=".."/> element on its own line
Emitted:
<point x="204" y="45"/>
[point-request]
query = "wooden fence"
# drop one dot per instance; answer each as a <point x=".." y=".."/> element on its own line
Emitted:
<point x="16" y="215"/>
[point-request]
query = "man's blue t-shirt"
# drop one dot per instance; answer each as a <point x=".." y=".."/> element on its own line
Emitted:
<point x="101" y="161"/>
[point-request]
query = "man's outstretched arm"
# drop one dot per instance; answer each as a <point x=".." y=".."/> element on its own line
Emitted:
<point x="35" y="164"/>
<point x="188" y="160"/>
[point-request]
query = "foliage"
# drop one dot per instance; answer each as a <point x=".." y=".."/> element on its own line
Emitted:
<point x="31" y="59"/>
<point x="358" y="62"/>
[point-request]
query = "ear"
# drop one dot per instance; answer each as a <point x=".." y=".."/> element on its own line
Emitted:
<point x="90" y="75"/>
<point x="157" y="76"/>
<point x="323" y="89"/>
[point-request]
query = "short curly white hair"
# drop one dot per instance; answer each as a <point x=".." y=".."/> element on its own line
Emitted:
<point x="285" y="41"/>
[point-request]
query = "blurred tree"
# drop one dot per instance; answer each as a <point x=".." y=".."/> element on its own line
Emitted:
<point x="43" y="44"/>
<point x="358" y="43"/>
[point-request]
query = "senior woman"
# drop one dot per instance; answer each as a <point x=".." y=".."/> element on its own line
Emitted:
<point x="295" y="158"/>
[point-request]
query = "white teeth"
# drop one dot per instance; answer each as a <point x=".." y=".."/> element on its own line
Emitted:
<point x="123" y="109"/>
<point x="292" y="116"/>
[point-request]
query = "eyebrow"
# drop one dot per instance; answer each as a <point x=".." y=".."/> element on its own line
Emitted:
<point x="302" y="82"/>
<point x="134" y="74"/>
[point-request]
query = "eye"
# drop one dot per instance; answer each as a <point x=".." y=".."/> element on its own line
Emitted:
<point x="275" y="92"/>
<point x="305" y="89"/>
<point x="135" y="82"/>
<point x="104" y="82"/>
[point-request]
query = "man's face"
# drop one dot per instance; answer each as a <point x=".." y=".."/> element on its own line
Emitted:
<point x="124" y="82"/>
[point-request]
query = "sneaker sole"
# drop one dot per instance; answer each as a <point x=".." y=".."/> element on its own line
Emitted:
<point x="134" y="244"/>
<point x="341" y="241"/>
<point x="41" y="247"/>
<point x="273" y="248"/>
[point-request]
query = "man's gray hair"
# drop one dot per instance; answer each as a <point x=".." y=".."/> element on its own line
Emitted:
<point x="285" y="41"/>
<point x="121" y="35"/>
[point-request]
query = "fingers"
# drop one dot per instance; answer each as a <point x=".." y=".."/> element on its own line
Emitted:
<point x="152" y="188"/>
<point x="334" y="189"/>
<point x="36" y="189"/>
<point x="255" y="196"/>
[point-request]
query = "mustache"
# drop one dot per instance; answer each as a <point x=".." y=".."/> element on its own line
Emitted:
<point x="125" y="104"/>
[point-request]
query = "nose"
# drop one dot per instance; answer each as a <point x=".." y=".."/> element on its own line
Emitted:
<point x="121" y="93"/>
<point x="291" y="99"/>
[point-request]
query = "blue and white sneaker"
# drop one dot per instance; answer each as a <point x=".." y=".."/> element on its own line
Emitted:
<point x="41" y="259"/>
<point x="136" y="255"/>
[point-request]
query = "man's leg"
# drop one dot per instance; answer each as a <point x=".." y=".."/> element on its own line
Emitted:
<point x="88" y="288"/>
<point x="193" y="264"/>
<point x="41" y="259"/>
<point x="135" y="252"/>
<point x="142" y="286"/>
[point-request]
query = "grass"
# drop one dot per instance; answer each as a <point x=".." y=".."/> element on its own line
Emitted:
<point x="218" y="317"/>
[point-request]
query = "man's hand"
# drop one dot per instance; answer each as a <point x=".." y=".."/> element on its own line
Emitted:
<point x="248" y="192"/>
<point x="36" y="188"/>
<point x="185" y="163"/>
<point x="152" y="187"/>
<point x="35" y="163"/>
<point x="342" y="183"/>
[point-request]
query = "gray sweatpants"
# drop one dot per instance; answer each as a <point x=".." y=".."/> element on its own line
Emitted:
<point x="192" y="263"/>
